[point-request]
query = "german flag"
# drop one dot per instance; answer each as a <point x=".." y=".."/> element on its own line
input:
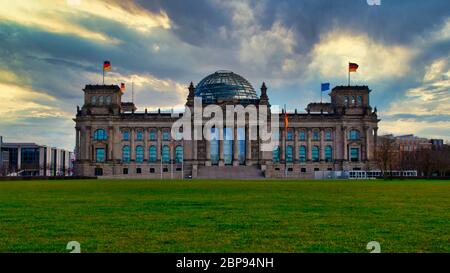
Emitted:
<point x="352" y="67"/>
<point x="106" y="66"/>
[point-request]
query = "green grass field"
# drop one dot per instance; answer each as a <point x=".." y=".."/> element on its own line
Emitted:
<point x="224" y="216"/>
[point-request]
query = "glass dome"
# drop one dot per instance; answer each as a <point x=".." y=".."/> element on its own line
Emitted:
<point x="225" y="85"/>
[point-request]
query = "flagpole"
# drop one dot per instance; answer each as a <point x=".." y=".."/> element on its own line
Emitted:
<point x="103" y="69"/>
<point x="285" y="137"/>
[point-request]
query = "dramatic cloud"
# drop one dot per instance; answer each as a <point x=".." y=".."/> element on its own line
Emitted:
<point x="50" y="49"/>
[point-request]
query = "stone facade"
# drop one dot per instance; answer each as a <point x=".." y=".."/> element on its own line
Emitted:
<point x="115" y="140"/>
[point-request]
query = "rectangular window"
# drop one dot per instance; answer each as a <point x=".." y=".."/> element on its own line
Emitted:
<point x="354" y="154"/>
<point x="316" y="135"/>
<point x="125" y="171"/>
<point x="139" y="135"/>
<point x="126" y="135"/>
<point x="289" y="135"/>
<point x="138" y="170"/>
<point x="328" y="135"/>
<point x="98" y="171"/>
<point x="152" y="170"/>
<point x="100" y="155"/>
<point x="302" y="135"/>
<point x="178" y="169"/>
<point x="152" y="135"/>
<point x="165" y="170"/>
<point x="166" y="136"/>
<point x="316" y="169"/>
<point x="303" y="170"/>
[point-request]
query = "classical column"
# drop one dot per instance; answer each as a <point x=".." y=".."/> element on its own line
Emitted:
<point x="366" y="144"/>
<point x="159" y="146"/>
<point x="309" y="148"/>
<point x="221" y="143"/>
<point x="248" y="146"/>
<point x="146" y="152"/>
<point x="296" y="146"/>
<point x="375" y="141"/>
<point x="322" y="144"/>
<point x="132" y="148"/>
<point x="77" y="141"/>
<point x="344" y="143"/>
<point x="235" y="146"/>
<point x="110" y="143"/>
<point x="87" y="140"/>
<point x="194" y="145"/>
<point x="283" y="145"/>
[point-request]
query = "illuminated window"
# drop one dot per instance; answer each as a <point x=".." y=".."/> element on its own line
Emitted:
<point x="302" y="153"/>
<point x="328" y="153"/>
<point x="353" y="135"/>
<point x="139" y="154"/>
<point x="126" y="154"/>
<point x="315" y="153"/>
<point x="100" y="155"/>
<point x="100" y="134"/>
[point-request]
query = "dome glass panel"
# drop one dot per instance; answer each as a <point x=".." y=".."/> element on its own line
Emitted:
<point x="225" y="86"/>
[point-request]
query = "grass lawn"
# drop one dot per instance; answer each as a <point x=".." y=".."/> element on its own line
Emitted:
<point x="224" y="216"/>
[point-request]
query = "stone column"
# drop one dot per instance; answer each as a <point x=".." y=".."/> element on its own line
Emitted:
<point x="344" y="143"/>
<point x="375" y="141"/>
<point x="322" y="144"/>
<point x="77" y="141"/>
<point x="235" y="146"/>
<point x="283" y="145"/>
<point x="87" y="139"/>
<point x="309" y="148"/>
<point x="248" y="146"/>
<point x="110" y="153"/>
<point x="146" y="152"/>
<point x="366" y="144"/>
<point x="296" y="146"/>
<point x="132" y="148"/>
<point x="221" y="142"/>
<point x="159" y="145"/>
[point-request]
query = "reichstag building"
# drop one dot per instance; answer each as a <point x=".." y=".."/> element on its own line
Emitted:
<point x="113" y="139"/>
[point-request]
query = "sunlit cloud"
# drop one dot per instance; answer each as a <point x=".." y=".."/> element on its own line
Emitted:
<point x="330" y="57"/>
<point x="61" y="16"/>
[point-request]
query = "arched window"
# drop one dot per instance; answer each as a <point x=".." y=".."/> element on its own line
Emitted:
<point x="126" y="135"/>
<point x="165" y="154"/>
<point x="302" y="152"/>
<point x="126" y="153"/>
<point x="328" y="153"/>
<point x="139" y="135"/>
<point x="93" y="100"/>
<point x="315" y="153"/>
<point x="353" y="135"/>
<point x="276" y="154"/>
<point x="108" y="100"/>
<point x="289" y="152"/>
<point x="152" y="153"/>
<point x="179" y="154"/>
<point x="139" y="154"/>
<point x="100" y="100"/>
<point x="100" y="134"/>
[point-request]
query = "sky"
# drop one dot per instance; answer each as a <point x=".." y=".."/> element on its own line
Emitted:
<point x="50" y="49"/>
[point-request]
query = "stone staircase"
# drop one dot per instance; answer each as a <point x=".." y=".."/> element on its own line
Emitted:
<point x="230" y="172"/>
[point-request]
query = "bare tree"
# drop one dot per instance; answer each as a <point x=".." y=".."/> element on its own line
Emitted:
<point x="386" y="155"/>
